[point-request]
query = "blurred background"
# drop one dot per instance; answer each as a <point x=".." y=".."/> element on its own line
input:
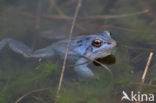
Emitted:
<point x="132" y="23"/>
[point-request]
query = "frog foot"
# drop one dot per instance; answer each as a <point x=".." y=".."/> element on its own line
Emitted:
<point x="83" y="70"/>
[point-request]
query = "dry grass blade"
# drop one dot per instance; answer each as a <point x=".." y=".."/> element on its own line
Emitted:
<point x="33" y="91"/>
<point x="144" y="74"/>
<point x="146" y="68"/>
<point x="68" y="45"/>
<point x="145" y="71"/>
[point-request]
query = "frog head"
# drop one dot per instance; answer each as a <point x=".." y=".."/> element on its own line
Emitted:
<point x="100" y="45"/>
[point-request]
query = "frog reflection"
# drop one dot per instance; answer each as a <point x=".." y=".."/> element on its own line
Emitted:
<point x="110" y="59"/>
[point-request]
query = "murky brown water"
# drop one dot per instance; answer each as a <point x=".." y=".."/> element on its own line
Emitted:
<point x="131" y="22"/>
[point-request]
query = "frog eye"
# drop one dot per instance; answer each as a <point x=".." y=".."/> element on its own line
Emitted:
<point x="97" y="43"/>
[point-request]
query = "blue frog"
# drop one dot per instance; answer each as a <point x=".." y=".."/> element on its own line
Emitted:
<point x="92" y="46"/>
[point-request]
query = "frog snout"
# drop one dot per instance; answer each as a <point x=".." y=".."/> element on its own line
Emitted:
<point x="108" y="42"/>
<point x="112" y="43"/>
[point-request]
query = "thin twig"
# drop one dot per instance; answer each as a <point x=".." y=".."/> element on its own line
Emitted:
<point x="138" y="56"/>
<point x="80" y="63"/>
<point x="62" y="15"/>
<point x="69" y="18"/>
<point x="33" y="91"/>
<point x="145" y="84"/>
<point x="146" y="68"/>
<point x="37" y="23"/>
<point x="127" y="29"/>
<point x="97" y="16"/>
<point x="139" y="48"/>
<point x="38" y="15"/>
<point x="151" y="43"/>
<point x="94" y="61"/>
<point x="68" y="45"/>
<point x="57" y="8"/>
<point x="69" y="2"/>
<point x="115" y="16"/>
<point x="144" y="75"/>
<point x="58" y="17"/>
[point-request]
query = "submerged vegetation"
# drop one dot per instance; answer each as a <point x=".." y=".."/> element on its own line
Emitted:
<point x="25" y="20"/>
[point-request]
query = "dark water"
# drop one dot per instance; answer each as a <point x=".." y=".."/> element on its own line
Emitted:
<point x="26" y="20"/>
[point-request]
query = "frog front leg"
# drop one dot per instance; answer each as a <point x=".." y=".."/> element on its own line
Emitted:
<point x="82" y="69"/>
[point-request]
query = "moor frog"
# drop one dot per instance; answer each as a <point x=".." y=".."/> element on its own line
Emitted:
<point x="93" y="46"/>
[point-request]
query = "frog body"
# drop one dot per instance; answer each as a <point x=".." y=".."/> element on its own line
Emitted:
<point x="91" y="46"/>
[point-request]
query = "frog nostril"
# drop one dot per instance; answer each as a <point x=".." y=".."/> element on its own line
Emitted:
<point x="108" y="42"/>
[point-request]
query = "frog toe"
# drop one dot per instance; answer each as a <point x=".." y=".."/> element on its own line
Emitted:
<point x="83" y="71"/>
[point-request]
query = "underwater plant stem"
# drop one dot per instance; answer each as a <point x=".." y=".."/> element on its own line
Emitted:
<point x="115" y="16"/>
<point x="137" y="57"/>
<point x="139" y="48"/>
<point x="68" y="45"/>
<point x="63" y="16"/>
<point x="37" y="24"/>
<point x="128" y="29"/>
<point x="145" y="84"/>
<point x="95" y="17"/>
<point x="38" y="15"/>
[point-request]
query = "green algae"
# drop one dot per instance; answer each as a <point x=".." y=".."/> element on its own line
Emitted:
<point x="87" y="90"/>
<point x="47" y="68"/>
<point x="26" y="81"/>
<point x="154" y="79"/>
